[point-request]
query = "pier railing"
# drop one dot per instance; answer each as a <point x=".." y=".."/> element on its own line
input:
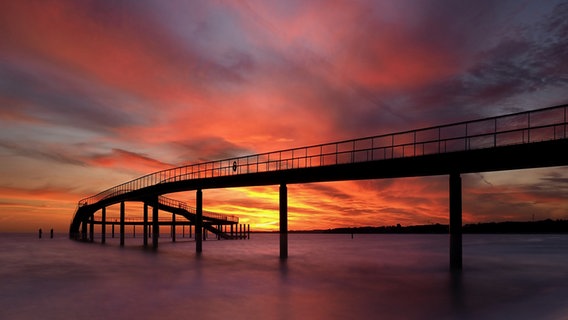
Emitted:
<point x="206" y="214"/>
<point x="519" y="128"/>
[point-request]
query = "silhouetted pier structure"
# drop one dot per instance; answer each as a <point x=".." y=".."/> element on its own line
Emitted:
<point x="223" y="226"/>
<point x="531" y="139"/>
<point x="221" y="231"/>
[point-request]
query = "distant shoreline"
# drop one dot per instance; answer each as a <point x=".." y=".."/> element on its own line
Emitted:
<point x="508" y="227"/>
<point x="547" y="226"/>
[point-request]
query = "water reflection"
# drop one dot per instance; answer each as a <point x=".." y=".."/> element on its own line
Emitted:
<point x="283" y="267"/>
<point x="325" y="277"/>
<point x="456" y="292"/>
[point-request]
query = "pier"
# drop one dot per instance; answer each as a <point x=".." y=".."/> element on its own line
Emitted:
<point x="222" y="226"/>
<point x="524" y="140"/>
<point x="220" y="232"/>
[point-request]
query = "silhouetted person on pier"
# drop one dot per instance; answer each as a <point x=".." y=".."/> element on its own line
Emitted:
<point x="51" y="233"/>
<point x="40" y="232"/>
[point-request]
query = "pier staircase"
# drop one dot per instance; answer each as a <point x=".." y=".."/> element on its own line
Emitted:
<point x="211" y="221"/>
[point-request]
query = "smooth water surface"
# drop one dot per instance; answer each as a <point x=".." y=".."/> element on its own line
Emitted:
<point x="325" y="277"/>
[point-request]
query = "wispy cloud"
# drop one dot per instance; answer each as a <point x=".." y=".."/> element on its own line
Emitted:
<point x="40" y="153"/>
<point x="128" y="161"/>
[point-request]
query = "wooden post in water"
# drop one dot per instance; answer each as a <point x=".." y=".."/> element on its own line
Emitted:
<point x="103" y="225"/>
<point x="199" y="221"/>
<point x="283" y="221"/>
<point x="122" y="224"/>
<point x="248" y="231"/>
<point x="455" y="222"/>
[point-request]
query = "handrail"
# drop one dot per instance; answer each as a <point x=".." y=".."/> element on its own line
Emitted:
<point x="169" y="202"/>
<point x="517" y="128"/>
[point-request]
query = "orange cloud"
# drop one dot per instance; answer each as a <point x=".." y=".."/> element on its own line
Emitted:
<point x="129" y="161"/>
<point x="338" y="204"/>
<point x="24" y="210"/>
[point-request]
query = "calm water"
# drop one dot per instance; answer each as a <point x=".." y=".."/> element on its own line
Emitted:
<point x="326" y="277"/>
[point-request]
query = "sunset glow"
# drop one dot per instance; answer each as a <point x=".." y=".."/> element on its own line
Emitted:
<point x="97" y="93"/>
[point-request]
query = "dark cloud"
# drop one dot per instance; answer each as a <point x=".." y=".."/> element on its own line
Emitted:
<point x="327" y="191"/>
<point x="53" y="96"/>
<point x="497" y="207"/>
<point x="544" y="196"/>
<point x="529" y="61"/>
<point x="41" y="152"/>
<point x="553" y="185"/>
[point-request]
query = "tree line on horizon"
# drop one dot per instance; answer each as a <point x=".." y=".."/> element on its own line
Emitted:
<point x="514" y="227"/>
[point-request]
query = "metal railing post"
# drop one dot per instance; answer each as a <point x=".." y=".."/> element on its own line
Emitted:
<point x="372" y="148"/>
<point x="439" y="140"/>
<point x="528" y="127"/>
<point x="414" y="143"/>
<point x="392" y="146"/>
<point x="466" y="139"/>
<point x="495" y="133"/>
<point x="353" y="153"/>
<point x="564" y="122"/>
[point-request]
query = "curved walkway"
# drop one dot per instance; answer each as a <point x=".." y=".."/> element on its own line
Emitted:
<point x="531" y="139"/>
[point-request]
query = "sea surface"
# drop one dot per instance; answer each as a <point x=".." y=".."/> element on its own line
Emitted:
<point x="325" y="277"/>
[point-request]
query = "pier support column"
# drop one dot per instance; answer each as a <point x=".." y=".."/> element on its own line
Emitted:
<point x="84" y="230"/>
<point x="283" y="221"/>
<point x="103" y="225"/>
<point x="199" y="221"/>
<point x="173" y="227"/>
<point x="155" y="225"/>
<point x="122" y="224"/>
<point x="145" y="225"/>
<point x="92" y="228"/>
<point x="455" y="222"/>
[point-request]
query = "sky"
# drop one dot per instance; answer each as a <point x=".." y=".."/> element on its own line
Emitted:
<point x="96" y="93"/>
